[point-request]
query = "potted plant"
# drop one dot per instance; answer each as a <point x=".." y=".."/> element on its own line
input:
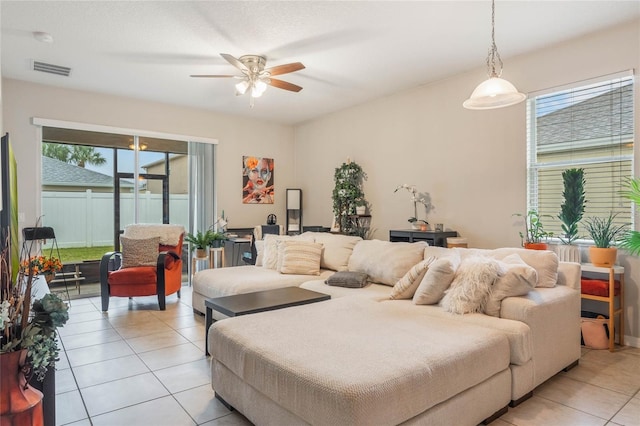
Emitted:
<point x="200" y="241"/>
<point x="28" y="338"/>
<point x="361" y="206"/>
<point x="571" y="212"/>
<point x="217" y="239"/>
<point x="43" y="265"/>
<point x="605" y="234"/>
<point x="422" y="198"/>
<point x="534" y="231"/>
<point x="347" y="191"/>
<point x="631" y="239"/>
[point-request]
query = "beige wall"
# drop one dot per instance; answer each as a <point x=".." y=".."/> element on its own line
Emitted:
<point x="236" y="136"/>
<point x="473" y="163"/>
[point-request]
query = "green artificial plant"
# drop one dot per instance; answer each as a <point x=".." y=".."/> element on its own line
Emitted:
<point x="603" y="231"/>
<point x="631" y="239"/>
<point x="534" y="230"/>
<point x="572" y="209"/>
<point x="347" y="193"/>
<point x="200" y="240"/>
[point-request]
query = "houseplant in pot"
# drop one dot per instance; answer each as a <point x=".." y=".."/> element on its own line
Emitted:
<point x="605" y="234"/>
<point x="28" y="344"/>
<point x="217" y="239"/>
<point x="347" y="192"/>
<point x="571" y="212"/>
<point x="631" y="239"/>
<point x="534" y="231"/>
<point x="200" y="241"/>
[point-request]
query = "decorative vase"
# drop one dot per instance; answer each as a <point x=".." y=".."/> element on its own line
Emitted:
<point x="568" y="253"/>
<point x="535" y="246"/>
<point x="216" y="243"/>
<point x="604" y="257"/>
<point x="20" y="404"/>
<point x="49" y="276"/>
<point x="201" y="253"/>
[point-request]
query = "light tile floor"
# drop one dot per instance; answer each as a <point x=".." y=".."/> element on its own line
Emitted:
<point x="136" y="365"/>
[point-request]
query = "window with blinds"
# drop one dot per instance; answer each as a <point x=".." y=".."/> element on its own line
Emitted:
<point x="587" y="126"/>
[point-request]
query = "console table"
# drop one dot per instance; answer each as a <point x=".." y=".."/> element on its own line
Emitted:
<point x="433" y="238"/>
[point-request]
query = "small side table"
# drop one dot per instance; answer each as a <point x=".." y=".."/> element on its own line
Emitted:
<point x="194" y="261"/>
<point x="611" y="273"/>
<point x="215" y="254"/>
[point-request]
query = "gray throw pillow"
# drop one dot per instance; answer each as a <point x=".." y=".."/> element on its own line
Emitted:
<point x="348" y="279"/>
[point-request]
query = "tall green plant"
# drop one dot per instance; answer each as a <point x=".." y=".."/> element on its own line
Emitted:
<point x="347" y="193"/>
<point x="572" y="209"/>
<point x="631" y="240"/>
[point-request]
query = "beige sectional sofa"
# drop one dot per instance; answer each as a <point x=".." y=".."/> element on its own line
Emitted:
<point x="362" y="358"/>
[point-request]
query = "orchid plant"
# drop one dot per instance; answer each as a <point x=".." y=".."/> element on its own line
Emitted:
<point x="416" y="197"/>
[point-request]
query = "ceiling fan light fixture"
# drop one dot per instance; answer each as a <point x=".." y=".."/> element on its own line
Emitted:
<point x="258" y="88"/>
<point x="495" y="92"/>
<point x="241" y="87"/>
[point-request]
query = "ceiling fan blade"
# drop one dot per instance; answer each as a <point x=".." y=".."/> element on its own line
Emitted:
<point x="285" y="69"/>
<point x="284" y="85"/>
<point x="235" y="62"/>
<point x="211" y="75"/>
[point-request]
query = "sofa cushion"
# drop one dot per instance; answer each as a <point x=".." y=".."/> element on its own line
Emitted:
<point x="471" y="285"/>
<point x="336" y="249"/>
<point x="516" y="279"/>
<point x="385" y="262"/>
<point x="543" y="261"/>
<point x="259" y="244"/>
<point x="139" y="251"/>
<point x="407" y="285"/>
<point x="299" y="257"/>
<point x="370" y="290"/>
<point x="327" y="377"/>
<point x="437" y="280"/>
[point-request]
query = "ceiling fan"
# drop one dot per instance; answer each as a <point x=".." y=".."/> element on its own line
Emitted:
<point x="255" y="77"/>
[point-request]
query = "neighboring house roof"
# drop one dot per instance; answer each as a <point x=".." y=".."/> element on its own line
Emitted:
<point x="59" y="173"/>
<point x="589" y="119"/>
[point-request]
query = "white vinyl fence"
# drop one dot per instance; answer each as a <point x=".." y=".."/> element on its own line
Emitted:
<point x="85" y="219"/>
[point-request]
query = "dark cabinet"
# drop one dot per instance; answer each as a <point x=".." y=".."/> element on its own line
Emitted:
<point x="433" y="238"/>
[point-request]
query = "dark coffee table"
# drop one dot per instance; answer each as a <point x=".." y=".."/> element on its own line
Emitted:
<point x="258" y="301"/>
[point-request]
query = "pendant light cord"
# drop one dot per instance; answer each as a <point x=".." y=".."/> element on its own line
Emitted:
<point x="493" y="50"/>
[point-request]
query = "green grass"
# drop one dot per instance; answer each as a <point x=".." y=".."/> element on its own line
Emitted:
<point x="78" y="254"/>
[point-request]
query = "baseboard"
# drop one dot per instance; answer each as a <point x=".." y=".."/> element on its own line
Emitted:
<point x="632" y="341"/>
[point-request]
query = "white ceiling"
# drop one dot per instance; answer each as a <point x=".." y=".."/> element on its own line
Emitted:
<point x="353" y="51"/>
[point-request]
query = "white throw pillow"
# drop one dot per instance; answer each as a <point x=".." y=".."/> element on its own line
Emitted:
<point x="516" y="279"/>
<point x="407" y="285"/>
<point x="259" y="244"/>
<point x="270" y="256"/>
<point x="471" y="285"/>
<point x="385" y="262"/>
<point x="299" y="257"/>
<point x="437" y="280"/>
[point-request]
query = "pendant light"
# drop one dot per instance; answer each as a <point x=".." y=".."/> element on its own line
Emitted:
<point x="494" y="92"/>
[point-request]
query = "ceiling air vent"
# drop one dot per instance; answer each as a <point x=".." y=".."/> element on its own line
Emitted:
<point x="51" y="69"/>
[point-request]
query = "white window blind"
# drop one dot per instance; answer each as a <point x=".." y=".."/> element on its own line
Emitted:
<point x="587" y="126"/>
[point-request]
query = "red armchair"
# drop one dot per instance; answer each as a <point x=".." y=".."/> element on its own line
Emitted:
<point x="140" y="271"/>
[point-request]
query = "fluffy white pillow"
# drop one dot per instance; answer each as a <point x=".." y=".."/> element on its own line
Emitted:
<point x="385" y="262"/>
<point x="407" y="285"/>
<point x="471" y="285"/>
<point x="437" y="280"/>
<point x="516" y="279"/>
<point x="299" y="257"/>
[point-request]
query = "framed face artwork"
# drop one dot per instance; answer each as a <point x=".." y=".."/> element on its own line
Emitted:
<point x="257" y="180"/>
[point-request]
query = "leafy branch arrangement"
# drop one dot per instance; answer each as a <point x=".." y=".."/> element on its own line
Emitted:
<point x="572" y="208"/>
